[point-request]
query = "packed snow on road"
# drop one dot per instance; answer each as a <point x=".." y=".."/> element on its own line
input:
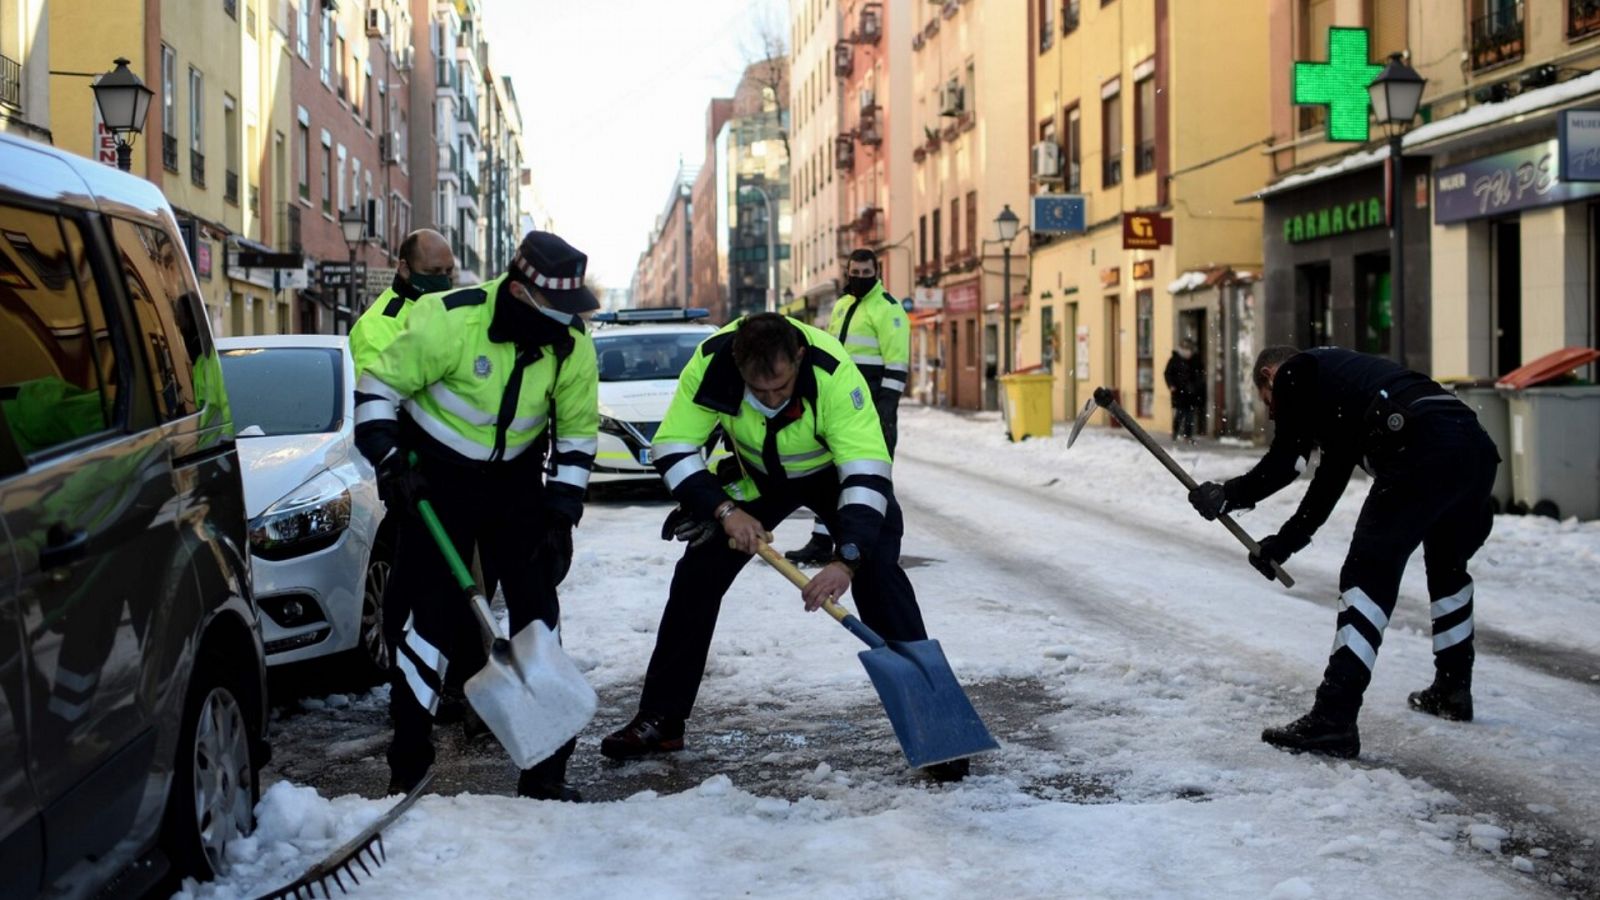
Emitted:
<point x="1121" y="649"/>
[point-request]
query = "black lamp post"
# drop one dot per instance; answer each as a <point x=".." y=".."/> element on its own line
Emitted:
<point x="124" y="103"/>
<point x="1007" y="222"/>
<point x="1396" y="94"/>
<point x="354" y="225"/>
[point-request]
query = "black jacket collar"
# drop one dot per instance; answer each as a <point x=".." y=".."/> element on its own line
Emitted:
<point x="515" y="322"/>
<point x="722" y="388"/>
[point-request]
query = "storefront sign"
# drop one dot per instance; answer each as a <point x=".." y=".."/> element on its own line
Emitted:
<point x="1144" y="270"/>
<point x="928" y="298"/>
<point x="202" y="259"/>
<point x="1506" y="182"/>
<point x="104" y="142"/>
<point x="961" y="298"/>
<point x="1111" y="277"/>
<point x="1340" y="84"/>
<point x="1580" y="144"/>
<point x="1329" y="221"/>
<point x="1145" y="231"/>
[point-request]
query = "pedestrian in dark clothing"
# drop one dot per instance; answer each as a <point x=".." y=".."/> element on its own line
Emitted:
<point x="1185" y="379"/>
<point x="1432" y="466"/>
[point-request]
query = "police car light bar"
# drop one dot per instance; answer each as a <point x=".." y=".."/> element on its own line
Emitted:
<point x="657" y="314"/>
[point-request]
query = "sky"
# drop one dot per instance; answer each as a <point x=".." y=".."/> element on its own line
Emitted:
<point x="613" y="93"/>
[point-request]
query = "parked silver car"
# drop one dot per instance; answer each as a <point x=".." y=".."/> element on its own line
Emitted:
<point x="320" y="553"/>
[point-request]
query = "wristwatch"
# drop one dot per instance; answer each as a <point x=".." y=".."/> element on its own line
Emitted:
<point x="725" y="509"/>
<point x="850" y="555"/>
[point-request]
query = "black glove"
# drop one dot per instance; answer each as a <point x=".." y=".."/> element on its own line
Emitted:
<point x="1275" y="548"/>
<point x="400" y="485"/>
<point x="556" y="548"/>
<point x="680" y="525"/>
<point x="1210" y="500"/>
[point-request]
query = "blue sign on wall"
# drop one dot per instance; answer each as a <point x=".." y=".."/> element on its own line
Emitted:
<point x="1506" y="182"/>
<point x="1058" y="214"/>
<point x="1580" y="144"/>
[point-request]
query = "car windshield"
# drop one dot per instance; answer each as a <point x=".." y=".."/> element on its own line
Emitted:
<point x="641" y="356"/>
<point x="284" y="390"/>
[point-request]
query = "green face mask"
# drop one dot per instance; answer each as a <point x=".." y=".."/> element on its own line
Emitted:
<point x="429" y="284"/>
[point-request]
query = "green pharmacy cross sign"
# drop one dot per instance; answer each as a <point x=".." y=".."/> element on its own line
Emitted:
<point x="1340" y="84"/>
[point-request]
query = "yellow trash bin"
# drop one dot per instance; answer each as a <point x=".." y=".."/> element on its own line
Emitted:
<point x="1028" y="404"/>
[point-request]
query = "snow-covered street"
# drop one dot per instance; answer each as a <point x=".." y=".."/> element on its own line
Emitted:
<point x="1120" y="648"/>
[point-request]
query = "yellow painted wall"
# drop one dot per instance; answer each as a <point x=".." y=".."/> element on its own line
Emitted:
<point x="85" y="36"/>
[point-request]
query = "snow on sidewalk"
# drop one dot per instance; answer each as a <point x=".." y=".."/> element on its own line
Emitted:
<point x="1158" y="717"/>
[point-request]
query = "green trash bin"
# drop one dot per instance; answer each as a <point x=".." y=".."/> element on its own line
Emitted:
<point x="1490" y="405"/>
<point x="1555" y="450"/>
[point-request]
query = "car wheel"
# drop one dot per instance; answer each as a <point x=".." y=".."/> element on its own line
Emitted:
<point x="214" y="783"/>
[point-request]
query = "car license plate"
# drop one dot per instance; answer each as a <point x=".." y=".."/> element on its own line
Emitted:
<point x="644" y="457"/>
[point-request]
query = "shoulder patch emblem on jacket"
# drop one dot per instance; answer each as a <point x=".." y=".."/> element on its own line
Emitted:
<point x="858" y="399"/>
<point x="481" y="367"/>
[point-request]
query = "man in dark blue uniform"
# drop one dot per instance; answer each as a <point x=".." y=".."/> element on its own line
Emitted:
<point x="1433" y="467"/>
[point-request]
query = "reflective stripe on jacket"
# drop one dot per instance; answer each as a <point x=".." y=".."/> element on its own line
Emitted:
<point x="876" y="334"/>
<point x="829" y="428"/>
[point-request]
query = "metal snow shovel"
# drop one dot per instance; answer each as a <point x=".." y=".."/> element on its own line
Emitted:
<point x="529" y="693"/>
<point x="932" y="717"/>
<point x="1104" y="400"/>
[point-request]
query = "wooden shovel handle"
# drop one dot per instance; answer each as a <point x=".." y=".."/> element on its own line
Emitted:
<point x="795" y="576"/>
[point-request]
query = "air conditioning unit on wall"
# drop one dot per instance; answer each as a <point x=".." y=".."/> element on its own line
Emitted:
<point x="952" y="99"/>
<point x="1047" y="161"/>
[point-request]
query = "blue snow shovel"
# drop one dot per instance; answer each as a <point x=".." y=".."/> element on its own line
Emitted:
<point x="931" y="715"/>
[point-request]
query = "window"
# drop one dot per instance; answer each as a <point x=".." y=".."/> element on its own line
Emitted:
<point x="1072" y="149"/>
<point x="972" y="223"/>
<point x="196" y="109"/>
<point x="168" y="314"/>
<point x="230" y="155"/>
<point x="302" y="29"/>
<point x="1111" y="133"/>
<point x="285" y="390"/>
<point x="169" y="108"/>
<point x="58" y="366"/>
<point x="955" y="227"/>
<point x="327" y="49"/>
<point x="1047" y="24"/>
<point x="327" y="174"/>
<point x="1144" y="125"/>
<point x="922" y="242"/>
<point x="342" y="204"/>
<point x="302" y="159"/>
<point x="937" y="242"/>
<point x="366" y="94"/>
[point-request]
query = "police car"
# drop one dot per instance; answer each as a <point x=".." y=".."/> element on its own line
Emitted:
<point x="640" y="354"/>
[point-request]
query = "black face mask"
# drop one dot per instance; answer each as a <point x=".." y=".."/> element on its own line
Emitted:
<point x="859" y="287"/>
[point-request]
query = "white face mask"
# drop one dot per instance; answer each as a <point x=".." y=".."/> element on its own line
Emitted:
<point x="522" y="293"/>
<point x="760" y="407"/>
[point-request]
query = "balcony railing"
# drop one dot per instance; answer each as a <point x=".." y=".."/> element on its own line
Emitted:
<point x="449" y="160"/>
<point x="230" y="187"/>
<point x="289" y="228"/>
<point x="1111" y="171"/>
<point x="1145" y="158"/>
<point x="197" y="168"/>
<point x="446" y="76"/>
<point x="469" y="186"/>
<point x="1498" y="36"/>
<point x="10" y="82"/>
<point x="1583" y="17"/>
<point x="169" y="152"/>
<point x="1069" y="17"/>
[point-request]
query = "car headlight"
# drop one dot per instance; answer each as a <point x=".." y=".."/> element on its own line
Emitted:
<point x="612" y="426"/>
<point x="307" y="519"/>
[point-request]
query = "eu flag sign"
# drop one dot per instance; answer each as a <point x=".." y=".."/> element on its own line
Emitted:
<point x="1058" y="214"/>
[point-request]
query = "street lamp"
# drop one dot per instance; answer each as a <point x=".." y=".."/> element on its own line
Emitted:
<point x="1396" y="94"/>
<point x="772" y="248"/>
<point x="124" y="103"/>
<point x="354" y="225"/>
<point x="1007" y="223"/>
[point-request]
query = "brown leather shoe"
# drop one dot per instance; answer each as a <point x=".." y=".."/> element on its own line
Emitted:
<point x="645" y="735"/>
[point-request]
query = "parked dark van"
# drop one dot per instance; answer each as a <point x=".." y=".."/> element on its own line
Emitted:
<point x="132" y="688"/>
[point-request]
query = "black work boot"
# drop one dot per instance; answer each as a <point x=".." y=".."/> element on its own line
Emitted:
<point x="1447" y="700"/>
<point x="645" y="735"/>
<point x="817" y="552"/>
<point x="1316" y="733"/>
<point x="536" y="785"/>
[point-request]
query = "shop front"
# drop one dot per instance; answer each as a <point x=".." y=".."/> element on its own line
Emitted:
<point x="968" y="358"/>
<point x="1327" y="251"/>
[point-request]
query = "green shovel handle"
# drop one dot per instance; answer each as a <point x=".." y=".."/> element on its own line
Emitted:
<point x="436" y="528"/>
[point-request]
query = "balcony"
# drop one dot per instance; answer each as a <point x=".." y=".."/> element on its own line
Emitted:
<point x="1069" y="17"/>
<point x="230" y="187"/>
<point x="471" y="261"/>
<point x="169" y="152"/>
<point x="289" y="228"/>
<point x="469" y="187"/>
<point x="10" y="82"/>
<point x="1144" y="160"/>
<point x="1583" y="18"/>
<point x="1111" y="171"/>
<point x="449" y="162"/>
<point x="255" y="200"/>
<point x="1497" y="37"/>
<point x="197" y="168"/>
<point x="447" y="76"/>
